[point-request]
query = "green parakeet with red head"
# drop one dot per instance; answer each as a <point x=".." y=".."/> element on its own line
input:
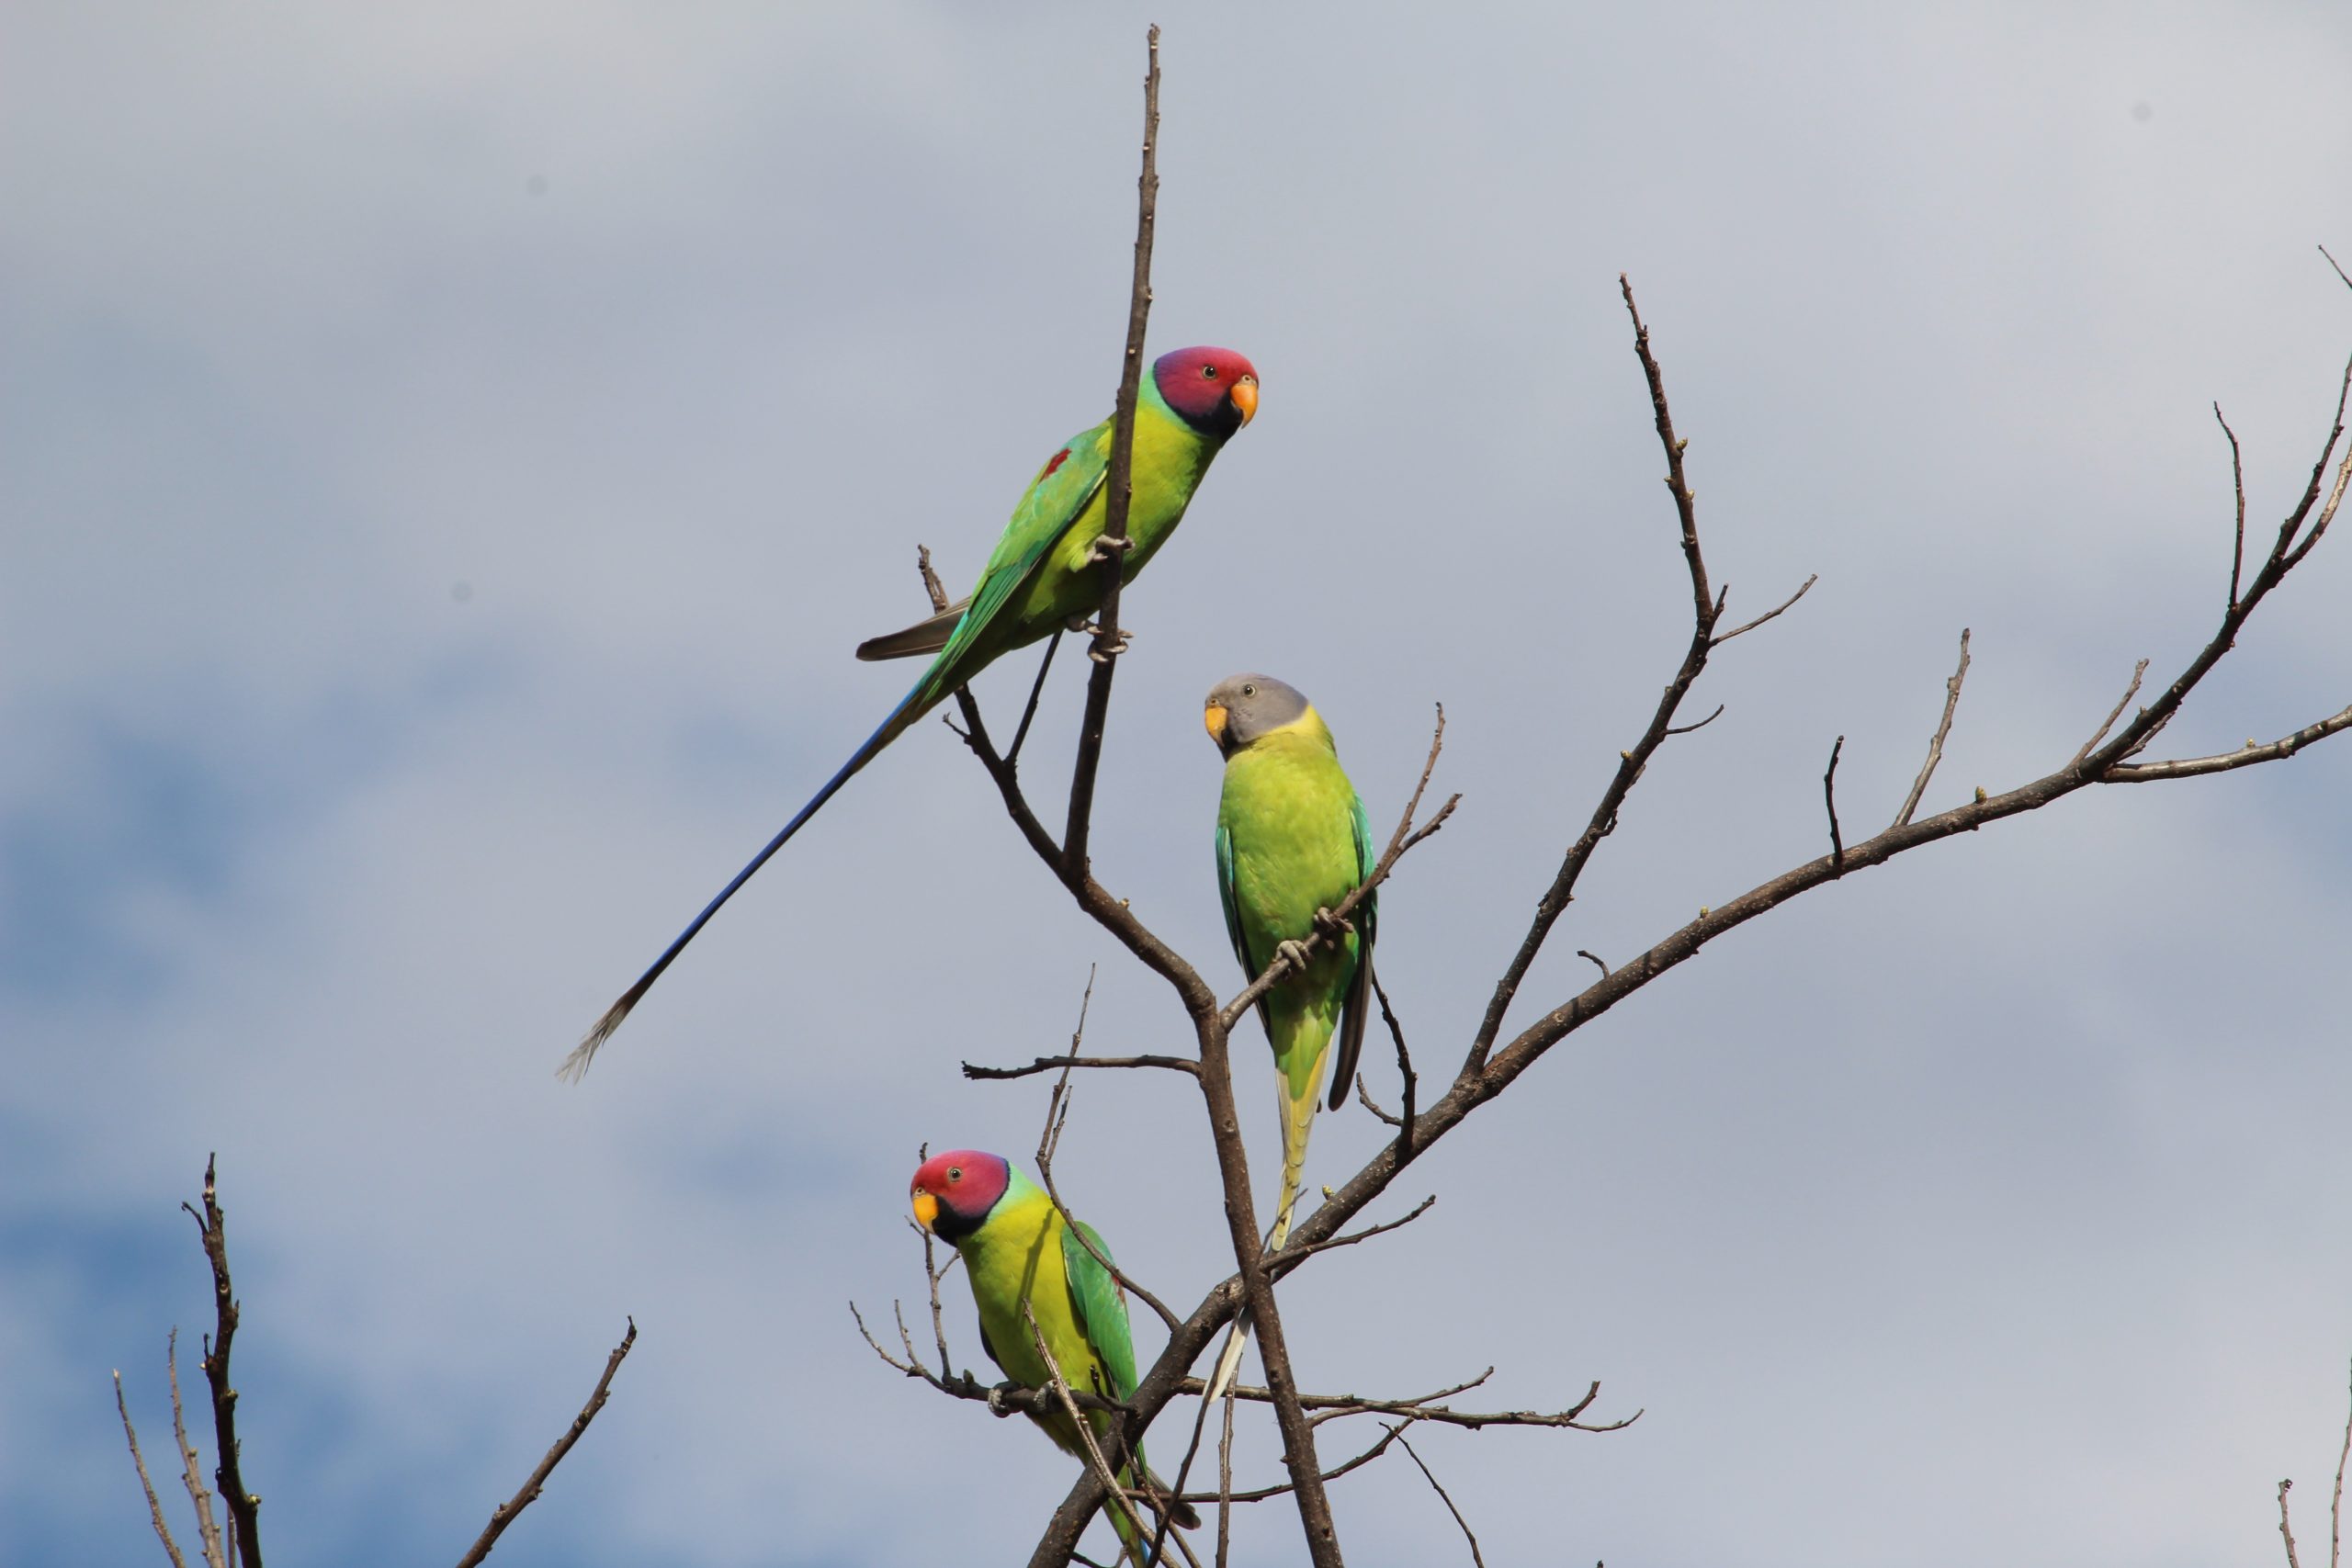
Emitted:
<point x="1018" y="1252"/>
<point x="1044" y="573"/>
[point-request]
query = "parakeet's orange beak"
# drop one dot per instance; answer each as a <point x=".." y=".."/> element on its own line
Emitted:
<point x="1213" y="717"/>
<point x="1245" y="398"/>
<point x="926" y="1209"/>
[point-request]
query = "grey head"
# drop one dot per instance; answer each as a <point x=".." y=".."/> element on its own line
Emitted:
<point x="1241" y="708"/>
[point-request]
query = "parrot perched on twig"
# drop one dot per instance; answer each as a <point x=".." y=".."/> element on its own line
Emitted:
<point x="1039" y="578"/>
<point x="1292" y="840"/>
<point x="1018" y="1250"/>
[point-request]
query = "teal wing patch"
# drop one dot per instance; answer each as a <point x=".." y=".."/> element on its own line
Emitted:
<point x="1251" y="968"/>
<point x="1102" y="1309"/>
<point x="1054" y="499"/>
<point x="1367" y="915"/>
<point x="1357" y="1008"/>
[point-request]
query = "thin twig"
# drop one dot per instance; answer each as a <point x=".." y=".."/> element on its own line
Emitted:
<point x="1596" y="961"/>
<point x="1289" y="1257"/>
<point x="1829" y="799"/>
<point x="1036" y="689"/>
<point x="2284" y="1487"/>
<point x="1687" y="728"/>
<point x="2238" y="484"/>
<point x="2115" y="713"/>
<point x="1224" y="1483"/>
<point x="1943" y="728"/>
<point x="1723" y="638"/>
<point x="2335" y="1507"/>
<point x="1339" y="1407"/>
<point x="931" y="584"/>
<point x="1118" y="485"/>
<point x="504" y="1515"/>
<point x="1225" y="1496"/>
<point x="139" y="1462"/>
<point x="1404" y="1069"/>
<point x="935" y="1274"/>
<point x="2339" y="271"/>
<point x="1398" y="1431"/>
<point x="208" y="1530"/>
<point x="1052" y="1064"/>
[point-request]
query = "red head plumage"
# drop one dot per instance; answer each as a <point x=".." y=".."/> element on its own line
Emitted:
<point x="953" y="1192"/>
<point x="1214" y="390"/>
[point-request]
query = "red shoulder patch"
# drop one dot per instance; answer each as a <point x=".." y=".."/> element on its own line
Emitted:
<point x="1056" y="461"/>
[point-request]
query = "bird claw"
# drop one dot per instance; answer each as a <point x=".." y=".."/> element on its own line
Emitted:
<point x="1333" y="926"/>
<point x="1104" y="655"/>
<point x="1106" y="548"/>
<point x="996" y="1399"/>
<point x="1294" y="953"/>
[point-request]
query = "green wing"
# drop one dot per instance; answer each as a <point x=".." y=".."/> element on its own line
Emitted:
<point x="1357" y="1007"/>
<point x="1055" y="499"/>
<point x="1101" y="1308"/>
<point x="1251" y="968"/>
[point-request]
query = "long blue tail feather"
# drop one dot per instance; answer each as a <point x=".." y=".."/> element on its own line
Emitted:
<point x="910" y="707"/>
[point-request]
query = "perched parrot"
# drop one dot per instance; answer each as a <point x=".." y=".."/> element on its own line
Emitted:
<point x="1017" y="1248"/>
<point x="1291" y="839"/>
<point x="1040" y="577"/>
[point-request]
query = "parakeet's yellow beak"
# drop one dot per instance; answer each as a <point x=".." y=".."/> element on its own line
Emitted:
<point x="1245" y="398"/>
<point x="1214" y="717"/>
<point x="926" y="1209"/>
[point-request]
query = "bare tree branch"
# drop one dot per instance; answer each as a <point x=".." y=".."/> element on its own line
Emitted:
<point x="2245" y="757"/>
<point x="2283" y="1487"/>
<point x="1943" y="728"/>
<point x="2335" y="1507"/>
<point x="1399" y="1432"/>
<point x="504" y="1515"/>
<point x="1119" y="485"/>
<point x="1706" y="613"/>
<point x="1050" y="1064"/>
<point x="243" y="1506"/>
<point x="139" y="1462"/>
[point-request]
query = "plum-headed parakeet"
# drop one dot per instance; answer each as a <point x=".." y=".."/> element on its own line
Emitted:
<point x="1017" y="1249"/>
<point x="1041" y="576"/>
<point x="1292" y="840"/>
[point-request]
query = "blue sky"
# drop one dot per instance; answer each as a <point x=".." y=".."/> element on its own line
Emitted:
<point x="447" y="455"/>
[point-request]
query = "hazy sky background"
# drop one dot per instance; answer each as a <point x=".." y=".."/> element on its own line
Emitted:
<point x="449" y="453"/>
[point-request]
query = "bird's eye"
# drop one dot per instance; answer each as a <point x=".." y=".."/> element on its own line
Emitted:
<point x="955" y="1173"/>
<point x="1209" y="372"/>
<point x="1248" y="691"/>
